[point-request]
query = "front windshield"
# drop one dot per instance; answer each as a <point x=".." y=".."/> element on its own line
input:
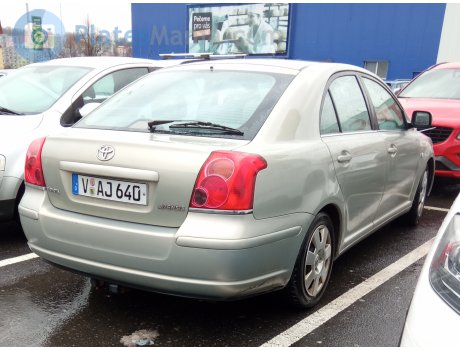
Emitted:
<point x="438" y="83"/>
<point x="234" y="99"/>
<point x="34" y="89"/>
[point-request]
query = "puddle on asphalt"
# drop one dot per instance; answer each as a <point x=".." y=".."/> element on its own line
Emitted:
<point x="35" y="306"/>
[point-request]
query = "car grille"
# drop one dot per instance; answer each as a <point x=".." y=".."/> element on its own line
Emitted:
<point x="439" y="134"/>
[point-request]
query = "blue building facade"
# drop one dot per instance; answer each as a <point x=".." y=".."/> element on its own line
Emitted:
<point x="405" y="37"/>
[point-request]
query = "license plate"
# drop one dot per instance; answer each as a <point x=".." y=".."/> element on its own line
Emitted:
<point x="113" y="190"/>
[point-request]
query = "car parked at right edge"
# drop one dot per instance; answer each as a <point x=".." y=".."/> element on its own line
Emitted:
<point x="434" y="314"/>
<point x="437" y="90"/>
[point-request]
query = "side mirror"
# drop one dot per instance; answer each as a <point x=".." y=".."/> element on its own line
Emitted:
<point x="421" y="120"/>
<point x="88" y="108"/>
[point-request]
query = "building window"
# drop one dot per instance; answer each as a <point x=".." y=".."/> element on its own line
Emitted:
<point x="377" y="67"/>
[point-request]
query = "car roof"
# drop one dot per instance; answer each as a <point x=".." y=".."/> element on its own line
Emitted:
<point x="103" y="62"/>
<point x="268" y="62"/>
<point x="110" y="61"/>
<point x="296" y="65"/>
<point x="448" y="65"/>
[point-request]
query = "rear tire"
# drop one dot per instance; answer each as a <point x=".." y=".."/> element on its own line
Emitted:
<point x="314" y="264"/>
<point x="412" y="217"/>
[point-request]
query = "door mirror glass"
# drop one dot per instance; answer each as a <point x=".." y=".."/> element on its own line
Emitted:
<point x="421" y="119"/>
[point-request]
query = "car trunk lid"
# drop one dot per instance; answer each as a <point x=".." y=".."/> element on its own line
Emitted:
<point x="163" y="168"/>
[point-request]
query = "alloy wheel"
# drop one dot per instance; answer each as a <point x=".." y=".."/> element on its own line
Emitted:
<point x="318" y="261"/>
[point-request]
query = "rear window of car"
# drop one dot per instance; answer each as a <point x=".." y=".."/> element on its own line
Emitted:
<point x="234" y="99"/>
<point x="437" y="83"/>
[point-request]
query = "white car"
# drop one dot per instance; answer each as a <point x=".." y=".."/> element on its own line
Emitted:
<point x="434" y="314"/>
<point x="4" y="72"/>
<point x="45" y="97"/>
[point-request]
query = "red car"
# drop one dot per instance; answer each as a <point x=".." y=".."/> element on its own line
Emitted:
<point x="437" y="90"/>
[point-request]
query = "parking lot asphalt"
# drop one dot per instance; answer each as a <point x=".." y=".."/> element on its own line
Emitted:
<point x="42" y="305"/>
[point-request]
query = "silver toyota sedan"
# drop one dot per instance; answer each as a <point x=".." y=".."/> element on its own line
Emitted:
<point x="227" y="178"/>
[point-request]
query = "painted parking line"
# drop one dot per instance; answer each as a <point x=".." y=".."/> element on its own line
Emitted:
<point x="17" y="259"/>
<point x="436" y="208"/>
<point x="313" y="321"/>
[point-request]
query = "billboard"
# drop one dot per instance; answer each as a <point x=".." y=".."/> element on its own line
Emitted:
<point x="254" y="29"/>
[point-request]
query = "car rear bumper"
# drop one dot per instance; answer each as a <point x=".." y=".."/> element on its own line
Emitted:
<point x="191" y="260"/>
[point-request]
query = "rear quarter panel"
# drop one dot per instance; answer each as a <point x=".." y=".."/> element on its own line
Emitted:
<point x="300" y="176"/>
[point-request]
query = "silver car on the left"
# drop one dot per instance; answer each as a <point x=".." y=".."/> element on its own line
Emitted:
<point x="44" y="97"/>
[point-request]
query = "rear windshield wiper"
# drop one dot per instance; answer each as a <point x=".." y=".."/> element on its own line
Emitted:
<point x="207" y="125"/>
<point x="154" y="123"/>
<point x="4" y="110"/>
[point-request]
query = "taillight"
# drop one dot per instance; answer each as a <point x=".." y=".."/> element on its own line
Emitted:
<point x="33" y="173"/>
<point x="226" y="181"/>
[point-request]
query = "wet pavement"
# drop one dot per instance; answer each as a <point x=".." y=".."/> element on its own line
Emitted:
<point x="36" y="304"/>
<point x="42" y="305"/>
<point x="12" y="240"/>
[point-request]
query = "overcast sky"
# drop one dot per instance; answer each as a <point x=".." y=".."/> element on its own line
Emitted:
<point x="104" y="14"/>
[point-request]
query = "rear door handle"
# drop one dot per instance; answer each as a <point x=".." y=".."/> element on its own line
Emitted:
<point x="393" y="150"/>
<point x="344" y="158"/>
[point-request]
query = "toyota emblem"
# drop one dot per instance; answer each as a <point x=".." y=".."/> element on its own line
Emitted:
<point x="105" y="153"/>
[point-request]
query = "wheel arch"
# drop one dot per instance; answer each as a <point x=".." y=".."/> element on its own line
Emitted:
<point x="334" y="213"/>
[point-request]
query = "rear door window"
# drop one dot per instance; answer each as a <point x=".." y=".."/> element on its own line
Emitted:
<point x="329" y="123"/>
<point x="350" y="104"/>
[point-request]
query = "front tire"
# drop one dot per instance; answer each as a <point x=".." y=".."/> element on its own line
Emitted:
<point x="412" y="217"/>
<point x="314" y="264"/>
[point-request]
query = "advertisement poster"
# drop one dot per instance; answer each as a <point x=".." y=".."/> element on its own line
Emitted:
<point x="254" y="29"/>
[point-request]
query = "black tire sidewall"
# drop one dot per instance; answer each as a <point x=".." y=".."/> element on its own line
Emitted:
<point x="413" y="217"/>
<point x="299" y="289"/>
